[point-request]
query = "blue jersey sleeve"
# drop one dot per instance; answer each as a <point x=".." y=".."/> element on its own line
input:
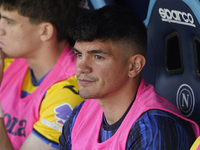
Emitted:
<point x="65" y="137"/>
<point x="157" y="130"/>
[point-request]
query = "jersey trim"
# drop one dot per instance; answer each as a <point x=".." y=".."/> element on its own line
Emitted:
<point x="34" y="82"/>
<point x="43" y="138"/>
<point x="65" y="143"/>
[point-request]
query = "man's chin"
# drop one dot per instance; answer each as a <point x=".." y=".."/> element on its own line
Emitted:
<point x="87" y="95"/>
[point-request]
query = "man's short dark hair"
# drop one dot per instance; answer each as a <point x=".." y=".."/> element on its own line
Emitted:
<point x="114" y="23"/>
<point x="60" y="13"/>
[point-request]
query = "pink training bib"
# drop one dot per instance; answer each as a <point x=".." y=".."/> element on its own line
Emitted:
<point x="85" y="132"/>
<point x="21" y="113"/>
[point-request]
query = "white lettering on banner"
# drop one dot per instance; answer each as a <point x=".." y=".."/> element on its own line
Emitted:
<point x="175" y="16"/>
<point x="84" y="4"/>
<point x="51" y="125"/>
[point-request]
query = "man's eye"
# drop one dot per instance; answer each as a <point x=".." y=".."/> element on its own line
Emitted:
<point x="78" y="54"/>
<point x="99" y="57"/>
<point x="9" y="22"/>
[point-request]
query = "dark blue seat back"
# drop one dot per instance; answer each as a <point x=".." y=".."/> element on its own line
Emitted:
<point x="173" y="54"/>
<point x="140" y="7"/>
<point x="87" y="6"/>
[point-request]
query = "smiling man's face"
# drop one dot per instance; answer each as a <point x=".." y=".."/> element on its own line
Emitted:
<point x="101" y="69"/>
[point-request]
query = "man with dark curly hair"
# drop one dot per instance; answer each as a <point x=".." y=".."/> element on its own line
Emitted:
<point x="122" y="111"/>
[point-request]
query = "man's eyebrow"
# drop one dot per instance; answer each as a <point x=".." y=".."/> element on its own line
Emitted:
<point x="92" y="51"/>
<point x="98" y="51"/>
<point x="75" y="50"/>
<point x="6" y="18"/>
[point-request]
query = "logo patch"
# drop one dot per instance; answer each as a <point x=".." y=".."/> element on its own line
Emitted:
<point x="62" y="113"/>
<point x="175" y="16"/>
<point x="71" y="87"/>
<point x="185" y="99"/>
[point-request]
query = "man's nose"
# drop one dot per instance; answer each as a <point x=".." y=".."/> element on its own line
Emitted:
<point x="83" y="66"/>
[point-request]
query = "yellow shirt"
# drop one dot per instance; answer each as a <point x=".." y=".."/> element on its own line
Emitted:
<point x="56" y="106"/>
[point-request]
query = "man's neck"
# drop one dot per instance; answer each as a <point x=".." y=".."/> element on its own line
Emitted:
<point x="45" y="59"/>
<point x="116" y="105"/>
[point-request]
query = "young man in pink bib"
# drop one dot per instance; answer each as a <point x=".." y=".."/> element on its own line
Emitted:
<point x="122" y="111"/>
<point x="39" y="87"/>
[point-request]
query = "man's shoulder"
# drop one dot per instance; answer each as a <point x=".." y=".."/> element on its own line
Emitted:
<point x="158" y="125"/>
<point x="160" y="119"/>
<point x="7" y="62"/>
<point x="16" y="63"/>
<point x="161" y="115"/>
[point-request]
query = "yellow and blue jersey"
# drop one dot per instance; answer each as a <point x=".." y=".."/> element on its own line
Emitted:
<point x="56" y="106"/>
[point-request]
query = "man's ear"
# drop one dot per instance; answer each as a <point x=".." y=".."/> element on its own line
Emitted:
<point x="136" y="64"/>
<point x="46" y="31"/>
